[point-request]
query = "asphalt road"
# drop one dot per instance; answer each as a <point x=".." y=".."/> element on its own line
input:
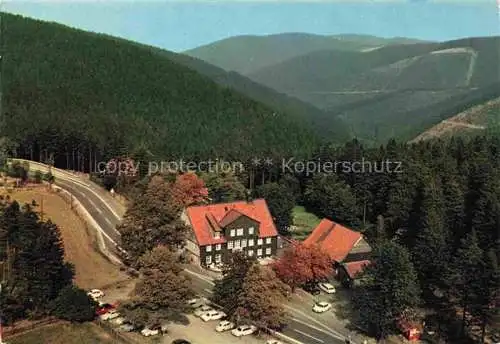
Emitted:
<point x="304" y="326"/>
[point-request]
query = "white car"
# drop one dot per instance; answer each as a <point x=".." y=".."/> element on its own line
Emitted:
<point x="202" y="310"/>
<point x="243" y="330"/>
<point x="148" y="332"/>
<point x="224" y="325"/>
<point x="327" y="288"/>
<point x="95" y="294"/>
<point x="119" y="321"/>
<point x="212" y="315"/>
<point x="193" y="302"/>
<point x="322" y="306"/>
<point x="273" y="341"/>
<point x="216" y="267"/>
<point x="112" y="314"/>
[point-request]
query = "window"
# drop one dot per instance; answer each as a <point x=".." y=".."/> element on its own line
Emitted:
<point x="232" y="233"/>
<point x="268" y="251"/>
<point x="230" y="244"/>
<point x="217" y="235"/>
<point x="217" y="247"/>
<point x="239" y="232"/>
<point x="269" y="240"/>
<point x="259" y="242"/>
<point x="218" y="258"/>
<point x="209" y="248"/>
<point x="237" y="244"/>
<point x="243" y="243"/>
<point x="250" y="242"/>
<point x="259" y="252"/>
<point x="250" y="253"/>
<point x="250" y="230"/>
<point x="208" y="260"/>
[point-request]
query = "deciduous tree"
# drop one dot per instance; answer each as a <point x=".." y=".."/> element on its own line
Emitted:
<point x="189" y="189"/>
<point x="301" y="263"/>
<point x="153" y="219"/>
<point x="260" y="301"/>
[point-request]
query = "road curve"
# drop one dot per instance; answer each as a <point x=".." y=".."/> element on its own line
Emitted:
<point x="107" y="214"/>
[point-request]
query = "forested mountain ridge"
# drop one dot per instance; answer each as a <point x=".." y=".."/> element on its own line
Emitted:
<point x="376" y="92"/>
<point x="325" y="123"/>
<point x="249" y="53"/>
<point x="67" y="90"/>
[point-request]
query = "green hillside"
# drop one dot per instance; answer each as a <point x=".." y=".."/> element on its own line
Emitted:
<point x="247" y="54"/>
<point x="394" y="90"/>
<point x="326" y="124"/>
<point x="68" y="91"/>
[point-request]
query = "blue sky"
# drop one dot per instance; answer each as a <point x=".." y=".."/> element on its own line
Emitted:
<point x="183" y="25"/>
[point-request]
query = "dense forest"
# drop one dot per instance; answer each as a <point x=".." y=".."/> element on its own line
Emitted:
<point x="75" y="97"/>
<point x="430" y="210"/>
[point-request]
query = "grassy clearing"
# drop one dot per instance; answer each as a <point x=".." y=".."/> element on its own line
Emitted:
<point x="304" y="222"/>
<point x="87" y="333"/>
<point x="92" y="269"/>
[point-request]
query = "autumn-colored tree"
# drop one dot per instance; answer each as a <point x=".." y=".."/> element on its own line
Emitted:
<point x="153" y="219"/>
<point x="261" y="299"/>
<point x="302" y="263"/>
<point x="189" y="189"/>
<point x="162" y="292"/>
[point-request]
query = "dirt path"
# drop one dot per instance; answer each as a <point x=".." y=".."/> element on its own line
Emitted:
<point x="93" y="270"/>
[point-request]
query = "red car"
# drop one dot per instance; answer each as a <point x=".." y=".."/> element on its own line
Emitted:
<point x="104" y="308"/>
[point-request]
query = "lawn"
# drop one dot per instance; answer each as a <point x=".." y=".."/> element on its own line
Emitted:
<point x="93" y="270"/>
<point x="86" y="333"/>
<point x="304" y="222"/>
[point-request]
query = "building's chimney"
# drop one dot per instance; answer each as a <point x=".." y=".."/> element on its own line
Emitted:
<point x="248" y="195"/>
<point x="226" y="208"/>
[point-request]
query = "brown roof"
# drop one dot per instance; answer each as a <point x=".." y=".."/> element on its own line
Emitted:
<point x="334" y="238"/>
<point x="203" y="218"/>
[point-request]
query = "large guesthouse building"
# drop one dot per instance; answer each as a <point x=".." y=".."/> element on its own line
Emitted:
<point x="219" y="229"/>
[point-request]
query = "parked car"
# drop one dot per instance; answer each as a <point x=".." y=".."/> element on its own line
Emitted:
<point x="112" y="314"/>
<point x="273" y="341"/>
<point x="104" y="308"/>
<point x="224" y="325"/>
<point x="119" y="321"/>
<point x="95" y="294"/>
<point x="327" y="288"/>
<point x="127" y="327"/>
<point x="193" y="302"/>
<point x="202" y="310"/>
<point x="216" y="267"/>
<point x="243" y="330"/>
<point x="147" y="332"/>
<point x="312" y="288"/>
<point x="212" y="315"/>
<point x="321" y="307"/>
<point x="180" y="341"/>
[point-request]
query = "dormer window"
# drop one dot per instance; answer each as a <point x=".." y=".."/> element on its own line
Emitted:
<point x="217" y="235"/>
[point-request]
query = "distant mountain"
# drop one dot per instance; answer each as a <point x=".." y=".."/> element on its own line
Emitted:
<point x="373" y="91"/>
<point x="83" y="96"/>
<point x="247" y="54"/>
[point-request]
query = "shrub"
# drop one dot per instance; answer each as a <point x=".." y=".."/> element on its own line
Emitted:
<point x="74" y="304"/>
<point x="38" y="177"/>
